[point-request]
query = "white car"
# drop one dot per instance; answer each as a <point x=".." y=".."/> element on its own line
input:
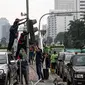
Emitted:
<point x="8" y="68"/>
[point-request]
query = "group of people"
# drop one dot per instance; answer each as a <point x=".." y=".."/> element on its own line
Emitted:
<point x="34" y="51"/>
<point x="43" y="60"/>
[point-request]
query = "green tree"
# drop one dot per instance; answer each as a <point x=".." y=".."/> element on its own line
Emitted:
<point x="49" y="40"/>
<point x="77" y="32"/>
<point x="3" y="41"/>
<point x="59" y="37"/>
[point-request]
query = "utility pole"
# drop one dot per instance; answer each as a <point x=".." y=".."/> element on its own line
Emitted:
<point x="27" y="12"/>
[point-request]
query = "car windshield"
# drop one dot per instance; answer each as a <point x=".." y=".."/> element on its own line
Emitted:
<point x="79" y="60"/>
<point x="3" y="59"/>
<point x="68" y="57"/>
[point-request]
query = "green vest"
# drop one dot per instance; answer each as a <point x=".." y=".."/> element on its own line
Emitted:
<point x="53" y="58"/>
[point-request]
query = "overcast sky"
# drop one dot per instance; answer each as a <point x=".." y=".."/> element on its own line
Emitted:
<point x="11" y="9"/>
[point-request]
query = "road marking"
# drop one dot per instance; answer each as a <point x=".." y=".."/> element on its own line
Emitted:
<point x="31" y="82"/>
<point x="37" y="82"/>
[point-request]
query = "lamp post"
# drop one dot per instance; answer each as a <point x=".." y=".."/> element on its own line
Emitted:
<point x="27" y="13"/>
<point x="39" y="33"/>
<point x="57" y="14"/>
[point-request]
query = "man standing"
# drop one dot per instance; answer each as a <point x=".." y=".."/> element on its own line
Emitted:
<point x="39" y="62"/>
<point x="53" y="62"/>
<point x="24" y="66"/>
<point x="22" y="42"/>
<point x="14" y="32"/>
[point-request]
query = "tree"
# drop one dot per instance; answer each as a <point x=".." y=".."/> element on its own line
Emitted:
<point x="49" y="40"/>
<point x="77" y="29"/>
<point x="77" y="32"/>
<point x="3" y="41"/>
<point x="59" y="37"/>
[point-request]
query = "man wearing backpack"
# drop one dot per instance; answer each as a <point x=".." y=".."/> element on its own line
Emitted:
<point x="14" y="32"/>
<point x="22" y="42"/>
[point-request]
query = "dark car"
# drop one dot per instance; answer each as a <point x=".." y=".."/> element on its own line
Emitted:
<point x="76" y="70"/>
<point x="8" y="69"/>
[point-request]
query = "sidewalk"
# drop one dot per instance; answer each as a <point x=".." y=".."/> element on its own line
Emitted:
<point x="33" y="77"/>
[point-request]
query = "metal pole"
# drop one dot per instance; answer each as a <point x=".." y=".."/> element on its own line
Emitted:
<point x="39" y="33"/>
<point x="20" y="73"/>
<point x="27" y="10"/>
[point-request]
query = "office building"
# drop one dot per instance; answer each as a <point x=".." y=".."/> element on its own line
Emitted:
<point x="82" y="7"/>
<point x="4" y="29"/>
<point x="71" y="5"/>
<point x="52" y="30"/>
<point x="64" y="5"/>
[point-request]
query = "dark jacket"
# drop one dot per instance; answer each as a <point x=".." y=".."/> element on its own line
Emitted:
<point x="39" y="58"/>
<point x="13" y="31"/>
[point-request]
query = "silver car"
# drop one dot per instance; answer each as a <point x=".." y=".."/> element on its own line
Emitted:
<point x="8" y="69"/>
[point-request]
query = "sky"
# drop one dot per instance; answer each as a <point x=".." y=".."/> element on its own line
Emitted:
<point x="12" y="9"/>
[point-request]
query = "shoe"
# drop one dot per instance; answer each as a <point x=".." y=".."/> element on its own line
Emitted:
<point x="41" y="80"/>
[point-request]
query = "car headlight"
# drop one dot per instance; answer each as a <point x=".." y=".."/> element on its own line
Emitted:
<point x="1" y="71"/>
<point x="79" y="76"/>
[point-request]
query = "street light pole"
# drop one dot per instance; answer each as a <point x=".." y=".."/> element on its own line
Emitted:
<point x="27" y="13"/>
<point x="57" y="14"/>
<point x="39" y="33"/>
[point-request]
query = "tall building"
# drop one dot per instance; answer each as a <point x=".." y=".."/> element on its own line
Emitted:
<point x="68" y="6"/>
<point x="82" y="7"/>
<point x="60" y="23"/>
<point x="52" y="30"/>
<point x="5" y="31"/>
<point x="64" y="5"/>
<point x="4" y="28"/>
<point x="71" y="5"/>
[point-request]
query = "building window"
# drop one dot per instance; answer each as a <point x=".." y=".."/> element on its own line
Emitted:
<point x="82" y="4"/>
<point x="82" y="1"/>
<point x="82" y="8"/>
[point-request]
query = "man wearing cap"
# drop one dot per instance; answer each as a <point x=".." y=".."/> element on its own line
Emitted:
<point x="14" y="32"/>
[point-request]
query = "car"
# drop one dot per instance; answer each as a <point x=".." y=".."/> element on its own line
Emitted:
<point x="76" y="70"/>
<point x="8" y="68"/>
<point x="59" y="62"/>
<point x="63" y="62"/>
<point x="66" y="59"/>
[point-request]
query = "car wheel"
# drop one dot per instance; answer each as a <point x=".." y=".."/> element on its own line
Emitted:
<point x="68" y="82"/>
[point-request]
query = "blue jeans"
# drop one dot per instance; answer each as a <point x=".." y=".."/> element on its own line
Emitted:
<point x="39" y="72"/>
